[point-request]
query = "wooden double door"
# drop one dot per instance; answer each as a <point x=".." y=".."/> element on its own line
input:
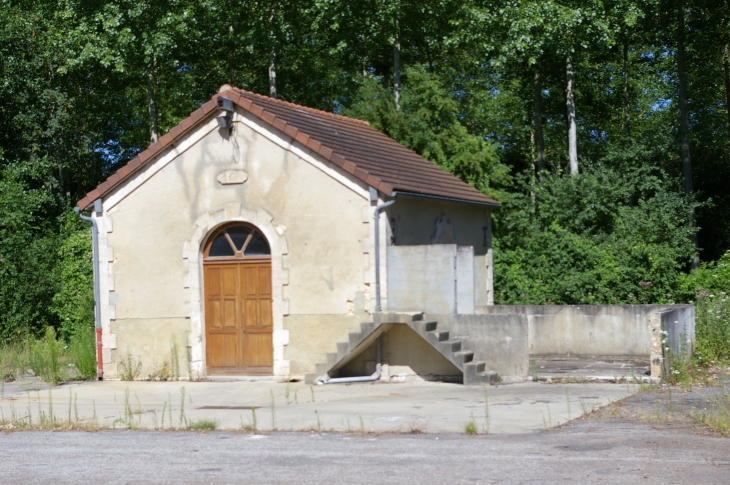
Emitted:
<point x="238" y="318"/>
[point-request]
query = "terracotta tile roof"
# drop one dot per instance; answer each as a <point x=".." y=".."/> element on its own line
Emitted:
<point x="353" y="145"/>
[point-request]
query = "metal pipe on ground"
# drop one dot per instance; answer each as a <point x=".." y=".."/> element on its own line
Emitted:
<point x="370" y="378"/>
<point x="97" y="292"/>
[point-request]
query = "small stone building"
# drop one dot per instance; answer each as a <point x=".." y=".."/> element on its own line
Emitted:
<point x="243" y="241"/>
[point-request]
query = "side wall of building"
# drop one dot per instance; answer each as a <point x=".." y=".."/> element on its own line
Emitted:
<point x="415" y="221"/>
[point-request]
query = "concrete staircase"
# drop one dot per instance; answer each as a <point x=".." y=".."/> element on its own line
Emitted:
<point x="452" y="348"/>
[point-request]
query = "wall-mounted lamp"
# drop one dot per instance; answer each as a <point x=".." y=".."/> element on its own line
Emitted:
<point x="226" y="105"/>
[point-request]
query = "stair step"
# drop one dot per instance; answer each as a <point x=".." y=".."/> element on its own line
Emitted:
<point x="332" y="358"/>
<point x="450" y="346"/>
<point x="321" y="369"/>
<point x="441" y="335"/>
<point x="464" y="356"/>
<point x="489" y="377"/>
<point x="367" y="327"/>
<point x="472" y="371"/>
<point x="423" y="326"/>
<point x="310" y="378"/>
<point x="355" y="338"/>
<point x="342" y="347"/>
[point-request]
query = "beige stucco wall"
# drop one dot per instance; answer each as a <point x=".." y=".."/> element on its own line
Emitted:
<point x="151" y="343"/>
<point x="416" y="221"/>
<point x="317" y="222"/>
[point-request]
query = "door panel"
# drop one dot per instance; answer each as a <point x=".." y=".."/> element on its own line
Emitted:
<point x="258" y="351"/>
<point x="238" y="318"/>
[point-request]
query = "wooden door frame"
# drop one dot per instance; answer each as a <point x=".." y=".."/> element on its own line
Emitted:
<point x="192" y="254"/>
<point x="240" y="261"/>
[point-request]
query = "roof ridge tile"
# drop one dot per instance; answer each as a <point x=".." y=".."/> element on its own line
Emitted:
<point x="289" y="104"/>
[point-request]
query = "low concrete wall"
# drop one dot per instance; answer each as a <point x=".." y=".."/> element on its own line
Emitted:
<point x="436" y="278"/>
<point x="621" y="331"/>
<point x="499" y="340"/>
<point x="672" y="337"/>
<point x="422" y="278"/>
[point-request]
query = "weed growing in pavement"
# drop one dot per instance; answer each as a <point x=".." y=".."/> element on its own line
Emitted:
<point x="717" y="415"/>
<point x="162" y="421"/>
<point x="319" y="423"/>
<point x="202" y="425"/>
<point x="486" y="411"/>
<point x="311" y="388"/>
<point x="471" y="426"/>
<point x="127" y="418"/>
<point x="273" y="411"/>
<point x="533" y="370"/>
<point x="182" y="406"/>
<point x="286" y="392"/>
<point x="547" y="423"/>
<point x="160" y="372"/>
<point x="567" y="400"/>
<point x="253" y="427"/>
<point x="583" y="405"/>
<point x="189" y="362"/>
<point x="416" y="426"/>
<point x="130" y="368"/>
<point x="174" y="360"/>
<point x="362" y="424"/>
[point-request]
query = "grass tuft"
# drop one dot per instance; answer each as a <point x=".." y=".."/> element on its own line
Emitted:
<point x="202" y="425"/>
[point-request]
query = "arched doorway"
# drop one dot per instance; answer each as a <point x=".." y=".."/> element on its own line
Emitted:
<point x="237" y="287"/>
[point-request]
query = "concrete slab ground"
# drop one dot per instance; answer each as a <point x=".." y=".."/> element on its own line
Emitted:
<point x="591" y="369"/>
<point x="428" y="407"/>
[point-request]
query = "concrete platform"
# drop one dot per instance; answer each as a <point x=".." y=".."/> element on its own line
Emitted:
<point x="592" y="370"/>
<point x="379" y="407"/>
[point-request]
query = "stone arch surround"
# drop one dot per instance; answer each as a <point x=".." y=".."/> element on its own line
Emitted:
<point x="204" y="226"/>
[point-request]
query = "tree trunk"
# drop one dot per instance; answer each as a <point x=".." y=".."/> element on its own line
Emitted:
<point x="272" y="73"/>
<point x="396" y="70"/>
<point x="627" y="115"/>
<point x="726" y="81"/>
<point x="231" y="57"/>
<point x="572" y="128"/>
<point x="272" y="57"/>
<point x="539" y="139"/>
<point x="684" y="124"/>
<point x="151" y="103"/>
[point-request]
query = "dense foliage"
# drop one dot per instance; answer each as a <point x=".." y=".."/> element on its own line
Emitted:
<point x="570" y="113"/>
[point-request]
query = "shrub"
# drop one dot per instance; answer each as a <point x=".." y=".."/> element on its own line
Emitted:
<point x="82" y="352"/>
<point x="13" y="361"/>
<point x="601" y="237"/>
<point x="45" y="358"/>
<point x="709" y="288"/>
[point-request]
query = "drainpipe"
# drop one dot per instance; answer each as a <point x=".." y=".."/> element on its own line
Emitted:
<point x="370" y="378"/>
<point x="97" y="300"/>
<point x="376" y="218"/>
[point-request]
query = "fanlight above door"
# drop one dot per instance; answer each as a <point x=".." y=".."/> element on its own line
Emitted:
<point x="237" y="242"/>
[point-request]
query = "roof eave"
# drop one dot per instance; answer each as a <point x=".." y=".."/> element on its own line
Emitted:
<point x="418" y="195"/>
